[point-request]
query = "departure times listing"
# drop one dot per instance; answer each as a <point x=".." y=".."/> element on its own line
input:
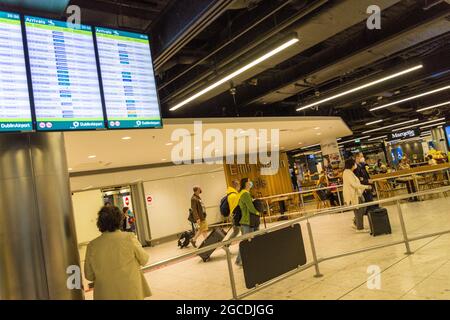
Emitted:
<point x="64" y="75"/>
<point x="15" y="110"/>
<point x="129" y="84"/>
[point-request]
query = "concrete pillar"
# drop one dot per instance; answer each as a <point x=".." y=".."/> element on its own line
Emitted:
<point x="37" y="231"/>
<point x="438" y="136"/>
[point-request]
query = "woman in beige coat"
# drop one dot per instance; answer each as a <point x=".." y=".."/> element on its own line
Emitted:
<point x="114" y="260"/>
<point x="352" y="192"/>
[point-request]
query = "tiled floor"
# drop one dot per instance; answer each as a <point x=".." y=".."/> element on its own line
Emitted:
<point x="422" y="275"/>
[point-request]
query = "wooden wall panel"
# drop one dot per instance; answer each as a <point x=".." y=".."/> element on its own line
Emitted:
<point x="266" y="185"/>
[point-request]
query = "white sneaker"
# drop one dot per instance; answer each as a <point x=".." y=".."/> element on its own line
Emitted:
<point x="363" y="231"/>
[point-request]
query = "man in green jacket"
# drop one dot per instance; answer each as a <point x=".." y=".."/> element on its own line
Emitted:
<point x="250" y="216"/>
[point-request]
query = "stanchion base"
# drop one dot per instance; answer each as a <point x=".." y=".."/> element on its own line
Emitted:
<point x="318" y="275"/>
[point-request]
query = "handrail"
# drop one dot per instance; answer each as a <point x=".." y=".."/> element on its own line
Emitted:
<point x="410" y="174"/>
<point x="300" y="192"/>
<point x="286" y="224"/>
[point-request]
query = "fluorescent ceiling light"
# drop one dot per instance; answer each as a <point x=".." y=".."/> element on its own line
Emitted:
<point x="361" y="87"/>
<point x="313" y="145"/>
<point x="353" y="140"/>
<point x="425" y="133"/>
<point x="236" y="73"/>
<point x="376" y="138"/>
<point x="126" y="138"/>
<point x="92" y="157"/>
<point x="373" y="122"/>
<point x="411" y="98"/>
<point x="432" y="125"/>
<point x="391" y="125"/>
<point x="418" y="124"/>
<point x="432" y="107"/>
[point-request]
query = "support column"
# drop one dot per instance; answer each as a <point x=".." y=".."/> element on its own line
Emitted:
<point x="37" y="230"/>
<point x="438" y="136"/>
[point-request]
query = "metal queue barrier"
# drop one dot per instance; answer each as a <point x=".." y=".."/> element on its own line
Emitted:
<point x="410" y="174"/>
<point x="315" y="260"/>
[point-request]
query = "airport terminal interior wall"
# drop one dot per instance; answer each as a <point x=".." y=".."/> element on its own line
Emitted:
<point x="266" y="185"/>
<point x="170" y="188"/>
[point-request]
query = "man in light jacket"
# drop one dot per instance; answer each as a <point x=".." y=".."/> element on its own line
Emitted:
<point x="199" y="212"/>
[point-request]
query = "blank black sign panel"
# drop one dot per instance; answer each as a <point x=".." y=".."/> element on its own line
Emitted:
<point x="270" y="255"/>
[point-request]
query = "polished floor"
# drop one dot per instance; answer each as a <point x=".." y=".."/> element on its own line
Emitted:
<point x="422" y="275"/>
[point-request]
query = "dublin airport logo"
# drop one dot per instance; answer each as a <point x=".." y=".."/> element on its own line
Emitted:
<point x="234" y="146"/>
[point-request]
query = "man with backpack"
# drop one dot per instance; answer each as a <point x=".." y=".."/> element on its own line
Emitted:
<point x="229" y="206"/>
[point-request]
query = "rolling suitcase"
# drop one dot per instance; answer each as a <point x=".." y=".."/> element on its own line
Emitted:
<point x="215" y="236"/>
<point x="379" y="221"/>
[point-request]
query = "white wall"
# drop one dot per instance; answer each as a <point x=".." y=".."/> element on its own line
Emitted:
<point x="85" y="206"/>
<point x="172" y="199"/>
<point x="171" y="189"/>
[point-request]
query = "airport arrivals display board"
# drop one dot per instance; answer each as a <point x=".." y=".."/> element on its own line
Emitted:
<point x="129" y="85"/>
<point x="15" y="109"/>
<point x="64" y="75"/>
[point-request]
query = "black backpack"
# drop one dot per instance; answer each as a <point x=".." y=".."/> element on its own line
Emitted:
<point x="224" y="206"/>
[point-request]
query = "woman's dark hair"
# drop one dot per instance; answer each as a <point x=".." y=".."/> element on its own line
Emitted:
<point x="109" y="219"/>
<point x="243" y="183"/>
<point x="125" y="209"/>
<point x="349" y="163"/>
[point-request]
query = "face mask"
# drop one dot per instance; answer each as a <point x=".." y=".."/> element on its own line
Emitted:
<point x="250" y="184"/>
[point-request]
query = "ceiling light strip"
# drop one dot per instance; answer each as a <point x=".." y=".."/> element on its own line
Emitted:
<point x="410" y="98"/>
<point x="236" y="73"/>
<point x="432" y="107"/>
<point x="373" y="122"/>
<point x="376" y="138"/>
<point x="432" y="125"/>
<point x="418" y="124"/>
<point x="391" y="125"/>
<point x="361" y="87"/>
<point x="353" y="140"/>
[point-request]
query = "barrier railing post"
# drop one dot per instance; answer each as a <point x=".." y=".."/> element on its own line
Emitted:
<point x="339" y="197"/>
<point x="313" y="250"/>
<point x="402" y="225"/>
<point x="231" y="273"/>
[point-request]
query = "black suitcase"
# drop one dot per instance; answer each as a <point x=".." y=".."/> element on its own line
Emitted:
<point x="379" y="221"/>
<point x="217" y="235"/>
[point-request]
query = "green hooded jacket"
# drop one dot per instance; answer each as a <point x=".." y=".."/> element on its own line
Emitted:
<point x="247" y="207"/>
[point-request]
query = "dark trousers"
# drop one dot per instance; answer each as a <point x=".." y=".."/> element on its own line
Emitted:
<point x="410" y="185"/>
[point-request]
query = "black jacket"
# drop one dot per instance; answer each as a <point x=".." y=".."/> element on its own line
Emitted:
<point x="362" y="174"/>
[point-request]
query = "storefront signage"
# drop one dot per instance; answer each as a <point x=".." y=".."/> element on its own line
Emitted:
<point x="401" y="135"/>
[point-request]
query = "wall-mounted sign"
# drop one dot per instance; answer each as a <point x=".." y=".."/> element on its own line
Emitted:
<point x="406" y="134"/>
<point x="149" y="199"/>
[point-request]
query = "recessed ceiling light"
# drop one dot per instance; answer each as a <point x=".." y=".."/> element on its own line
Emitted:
<point x="70" y="169"/>
<point x="300" y="143"/>
<point x="163" y="159"/>
<point x="169" y="143"/>
<point x="92" y="156"/>
<point x="126" y="138"/>
<point x="361" y="87"/>
<point x="318" y="133"/>
<point x="316" y="128"/>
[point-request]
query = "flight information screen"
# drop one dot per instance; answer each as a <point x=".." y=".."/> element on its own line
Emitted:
<point x="64" y="75"/>
<point x="15" y="111"/>
<point x="129" y="85"/>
